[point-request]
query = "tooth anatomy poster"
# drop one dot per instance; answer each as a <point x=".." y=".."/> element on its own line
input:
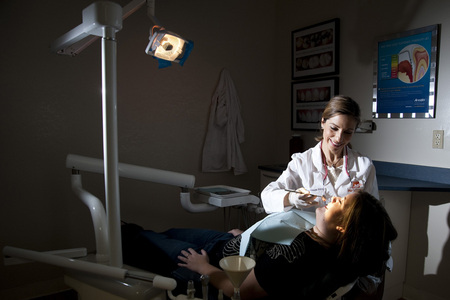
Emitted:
<point x="405" y="75"/>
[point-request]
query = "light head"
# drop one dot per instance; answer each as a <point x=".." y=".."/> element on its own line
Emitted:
<point x="167" y="45"/>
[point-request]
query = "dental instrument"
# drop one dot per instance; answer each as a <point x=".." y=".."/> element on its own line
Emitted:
<point x="190" y="290"/>
<point x="324" y="199"/>
<point x="205" y="281"/>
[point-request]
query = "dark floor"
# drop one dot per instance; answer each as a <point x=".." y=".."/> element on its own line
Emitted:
<point x="72" y="295"/>
<point x="66" y="295"/>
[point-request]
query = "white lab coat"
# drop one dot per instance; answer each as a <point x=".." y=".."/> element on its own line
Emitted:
<point x="221" y="151"/>
<point x="308" y="170"/>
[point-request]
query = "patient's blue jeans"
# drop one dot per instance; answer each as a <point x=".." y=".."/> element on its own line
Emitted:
<point x="174" y="240"/>
<point x="158" y="252"/>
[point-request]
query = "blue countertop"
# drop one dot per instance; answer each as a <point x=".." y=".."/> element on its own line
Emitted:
<point x="389" y="183"/>
<point x="399" y="177"/>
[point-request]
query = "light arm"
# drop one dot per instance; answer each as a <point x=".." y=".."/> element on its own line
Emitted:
<point x="95" y="18"/>
<point x="79" y="38"/>
<point x="73" y="42"/>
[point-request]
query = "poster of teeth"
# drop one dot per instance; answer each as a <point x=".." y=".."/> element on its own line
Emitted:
<point x="405" y="74"/>
<point x="315" y="50"/>
<point x="309" y="98"/>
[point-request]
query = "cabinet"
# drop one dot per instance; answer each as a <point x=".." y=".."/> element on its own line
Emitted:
<point x="266" y="177"/>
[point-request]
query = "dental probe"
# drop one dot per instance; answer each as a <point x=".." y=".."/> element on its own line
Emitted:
<point x="312" y="195"/>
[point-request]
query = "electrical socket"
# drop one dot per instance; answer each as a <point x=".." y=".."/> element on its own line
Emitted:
<point x="438" y="139"/>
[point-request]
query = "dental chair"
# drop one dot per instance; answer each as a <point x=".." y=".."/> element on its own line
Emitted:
<point x="337" y="295"/>
<point x="93" y="276"/>
<point x="90" y="286"/>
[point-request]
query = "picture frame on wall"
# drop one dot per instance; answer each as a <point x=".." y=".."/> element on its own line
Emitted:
<point x="309" y="99"/>
<point x="405" y="74"/>
<point x="315" y="50"/>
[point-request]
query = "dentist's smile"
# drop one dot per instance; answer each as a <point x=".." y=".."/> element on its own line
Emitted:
<point x="336" y="144"/>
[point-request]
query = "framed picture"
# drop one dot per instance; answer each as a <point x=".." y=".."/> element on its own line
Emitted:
<point x="309" y="99"/>
<point x="315" y="50"/>
<point x="405" y="74"/>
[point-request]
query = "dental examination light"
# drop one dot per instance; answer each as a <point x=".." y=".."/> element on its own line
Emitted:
<point x="103" y="19"/>
<point x="163" y="44"/>
<point x="166" y="45"/>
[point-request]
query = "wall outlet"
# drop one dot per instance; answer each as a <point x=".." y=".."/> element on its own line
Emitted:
<point x="438" y="139"/>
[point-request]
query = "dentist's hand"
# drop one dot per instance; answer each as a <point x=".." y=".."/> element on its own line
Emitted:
<point x="301" y="198"/>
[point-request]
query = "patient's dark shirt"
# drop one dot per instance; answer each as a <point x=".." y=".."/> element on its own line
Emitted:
<point x="303" y="270"/>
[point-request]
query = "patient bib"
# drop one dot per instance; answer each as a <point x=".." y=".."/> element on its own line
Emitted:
<point x="278" y="228"/>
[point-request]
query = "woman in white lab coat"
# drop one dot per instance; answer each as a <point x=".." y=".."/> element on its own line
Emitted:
<point x="331" y="168"/>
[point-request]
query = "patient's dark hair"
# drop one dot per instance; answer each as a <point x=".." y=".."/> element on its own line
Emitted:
<point x="368" y="230"/>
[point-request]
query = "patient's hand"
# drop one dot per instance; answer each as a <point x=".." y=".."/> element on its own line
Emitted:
<point x="235" y="232"/>
<point x="194" y="261"/>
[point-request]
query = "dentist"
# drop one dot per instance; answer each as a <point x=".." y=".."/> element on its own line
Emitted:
<point x="329" y="169"/>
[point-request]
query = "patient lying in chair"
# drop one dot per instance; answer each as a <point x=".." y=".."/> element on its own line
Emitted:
<point x="350" y="238"/>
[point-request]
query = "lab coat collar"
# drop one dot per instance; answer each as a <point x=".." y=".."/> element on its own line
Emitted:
<point x="320" y="163"/>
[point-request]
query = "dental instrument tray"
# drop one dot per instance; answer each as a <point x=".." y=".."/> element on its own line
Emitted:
<point x="222" y="191"/>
